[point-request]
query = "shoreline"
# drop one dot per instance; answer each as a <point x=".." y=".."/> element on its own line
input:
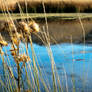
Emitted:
<point x="60" y="31"/>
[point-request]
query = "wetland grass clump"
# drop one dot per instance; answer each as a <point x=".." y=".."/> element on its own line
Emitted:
<point x="51" y="7"/>
<point x="16" y="37"/>
<point x="33" y="79"/>
<point x="28" y="73"/>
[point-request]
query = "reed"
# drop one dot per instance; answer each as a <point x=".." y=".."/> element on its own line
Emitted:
<point x="28" y="71"/>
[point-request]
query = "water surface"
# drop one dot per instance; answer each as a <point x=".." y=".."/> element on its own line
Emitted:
<point x="73" y="62"/>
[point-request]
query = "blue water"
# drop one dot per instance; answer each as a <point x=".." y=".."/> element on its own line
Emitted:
<point x="72" y="61"/>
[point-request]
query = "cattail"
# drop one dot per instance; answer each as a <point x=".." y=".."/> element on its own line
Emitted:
<point x="2" y="42"/>
<point x="33" y="26"/>
<point x="24" y="27"/>
<point x="11" y="25"/>
<point x="1" y="52"/>
<point x="23" y="58"/>
<point x="13" y="52"/>
<point x="19" y="36"/>
<point x="16" y="41"/>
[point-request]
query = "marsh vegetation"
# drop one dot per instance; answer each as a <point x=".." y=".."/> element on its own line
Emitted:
<point x="56" y="6"/>
<point x="27" y="67"/>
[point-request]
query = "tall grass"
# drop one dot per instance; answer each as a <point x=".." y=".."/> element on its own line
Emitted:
<point x="28" y="72"/>
<point x="51" y="7"/>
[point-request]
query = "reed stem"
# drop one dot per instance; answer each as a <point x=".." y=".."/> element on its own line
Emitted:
<point x="19" y="75"/>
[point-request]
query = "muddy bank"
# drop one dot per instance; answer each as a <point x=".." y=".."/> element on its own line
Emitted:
<point x="66" y="31"/>
<point x="60" y="31"/>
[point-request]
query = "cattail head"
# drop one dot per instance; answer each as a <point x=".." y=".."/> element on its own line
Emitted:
<point x="33" y="26"/>
<point x="13" y="52"/>
<point x="24" y="27"/>
<point x="2" y="42"/>
<point x="1" y="52"/>
<point x="22" y="58"/>
<point x="15" y="41"/>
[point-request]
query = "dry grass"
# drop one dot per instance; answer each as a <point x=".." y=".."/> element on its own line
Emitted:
<point x="79" y="4"/>
<point x="78" y="1"/>
<point x="36" y="74"/>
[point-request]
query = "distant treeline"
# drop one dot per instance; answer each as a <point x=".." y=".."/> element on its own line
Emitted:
<point x="49" y="8"/>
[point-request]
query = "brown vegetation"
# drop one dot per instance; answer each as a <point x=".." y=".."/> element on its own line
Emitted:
<point x="80" y="6"/>
<point x="59" y="31"/>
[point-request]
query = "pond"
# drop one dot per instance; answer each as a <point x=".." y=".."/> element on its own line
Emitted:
<point x="73" y="63"/>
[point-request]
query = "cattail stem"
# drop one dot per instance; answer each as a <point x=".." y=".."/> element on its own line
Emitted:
<point x="18" y="70"/>
<point x="19" y="75"/>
